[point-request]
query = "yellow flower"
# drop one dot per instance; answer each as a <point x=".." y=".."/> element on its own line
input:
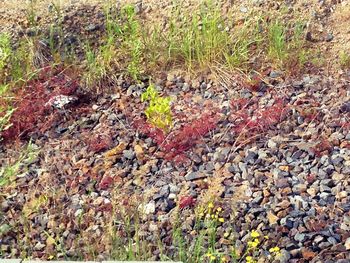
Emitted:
<point x="249" y="259"/>
<point x="274" y="249"/>
<point x="255" y="234"/>
<point x="222" y="220"/>
<point x="219" y="209"/>
<point x="223" y="259"/>
<point x="212" y="258"/>
<point x="252" y="244"/>
<point x="226" y="234"/>
<point x="266" y="237"/>
<point x="211" y="205"/>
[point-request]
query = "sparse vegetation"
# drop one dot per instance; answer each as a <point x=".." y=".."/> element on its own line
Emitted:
<point x="9" y="172"/>
<point x="212" y="113"/>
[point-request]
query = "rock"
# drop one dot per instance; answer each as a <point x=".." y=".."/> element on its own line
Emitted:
<point x="347" y="243"/>
<point x="308" y="254"/>
<point x="275" y="74"/>
<point x="39" y="246"/>
<point x="244" y="170"/>
<point x="345" y="107"/>
<point x="92" y="27"/>
<point x="283" y="256"/>
<point x="139" y="152"/>
<point x="336" y="177"/>
<point x="164" y="191"/>
<point x="272" y="218"/>
<point x="243" y="9"/>
<point x="271" y="144"/>
<point x="300" y="237"/>
<point x="172" y="196"/>
<point x="150" y="208"/>
<point x="329" y="37"/>
<point x="153" y="227"/>
<point x="282" y="183"/>
<point x="194" y="176"/>
<point x="129" y="154"/>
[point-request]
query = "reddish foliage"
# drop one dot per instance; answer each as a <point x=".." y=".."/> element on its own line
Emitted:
<point x="100" y="143"/>
<point x="250" y="120"/>
<point x="32" y="114"/>
<point x="322" y="147"/>
<point x="147" y="129"/>
<point x="106" y="182"/>
<point x="178" y="142"/>
<point x="187" y="201"/>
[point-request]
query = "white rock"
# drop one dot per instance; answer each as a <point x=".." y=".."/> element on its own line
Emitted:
<point x="347" y="244"/>
<point x="149" y="208"/>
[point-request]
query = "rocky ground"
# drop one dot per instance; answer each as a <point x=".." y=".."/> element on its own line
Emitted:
<point x="275" y="158"/>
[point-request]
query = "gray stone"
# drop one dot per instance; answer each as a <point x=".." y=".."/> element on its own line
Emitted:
<point x="194" y="176"/>
<point x="164" y="191"/>
<point x="300" y="237"/>
<point x="129" y="154"/>
<point x="244" y="170"/>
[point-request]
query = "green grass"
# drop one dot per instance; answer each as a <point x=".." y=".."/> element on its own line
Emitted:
<point x="344" y="59"/>
<point x="9" y="172"/>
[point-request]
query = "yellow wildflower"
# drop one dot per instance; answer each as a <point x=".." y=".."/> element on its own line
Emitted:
<point x="274" y="249"/>
<point x="249" y="259"/>
<point x="226" y="234"/>
<point x="252" y="244"/>
<point x="222" y="220"/>
<point x="219" y="209"/>
<point x="211" y="205"/>
<point x="255" y="234"/>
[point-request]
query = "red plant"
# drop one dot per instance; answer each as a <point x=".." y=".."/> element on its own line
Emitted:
<point x="322" y="147"/>
<point x="106" y="182"/>
<point x="187" y="201"/>
<point x="249" y="119"/>
<point x="178" y="143"/>
<point x="33" y="114"/>
<point x="175" y="144"/>
<point x="100" y="143"/>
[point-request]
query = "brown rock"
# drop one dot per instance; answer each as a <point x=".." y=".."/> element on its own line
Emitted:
<point x="308" y="254"/>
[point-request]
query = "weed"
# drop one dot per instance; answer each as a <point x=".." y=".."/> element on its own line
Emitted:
<point x="132" y="40"/>
<point x="277" y="46"/>
<point x="26" y="157"/>
<point x="5" y="51"/>
<point x="33" y="113"/>
<point x="199" y="39"/>
<point x="250" y="120"/>
<point x="158" y="111"/>
<point x="175" y="144"/>
<point x="344" y="59"/>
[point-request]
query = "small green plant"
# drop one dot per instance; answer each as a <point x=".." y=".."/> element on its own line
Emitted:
<point x="9" y="172"/>
<point x="158" y="111"/>
<point x="277" y="46"/>
<point x="344" y="59"/>
<point x="5" y="50"/>
<point x="132" y="40"/>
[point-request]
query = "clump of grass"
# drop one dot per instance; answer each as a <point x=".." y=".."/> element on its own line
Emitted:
<point x="286" y="46"/>
<point x="199" y="39"/>
<point x="344" y="59"/>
